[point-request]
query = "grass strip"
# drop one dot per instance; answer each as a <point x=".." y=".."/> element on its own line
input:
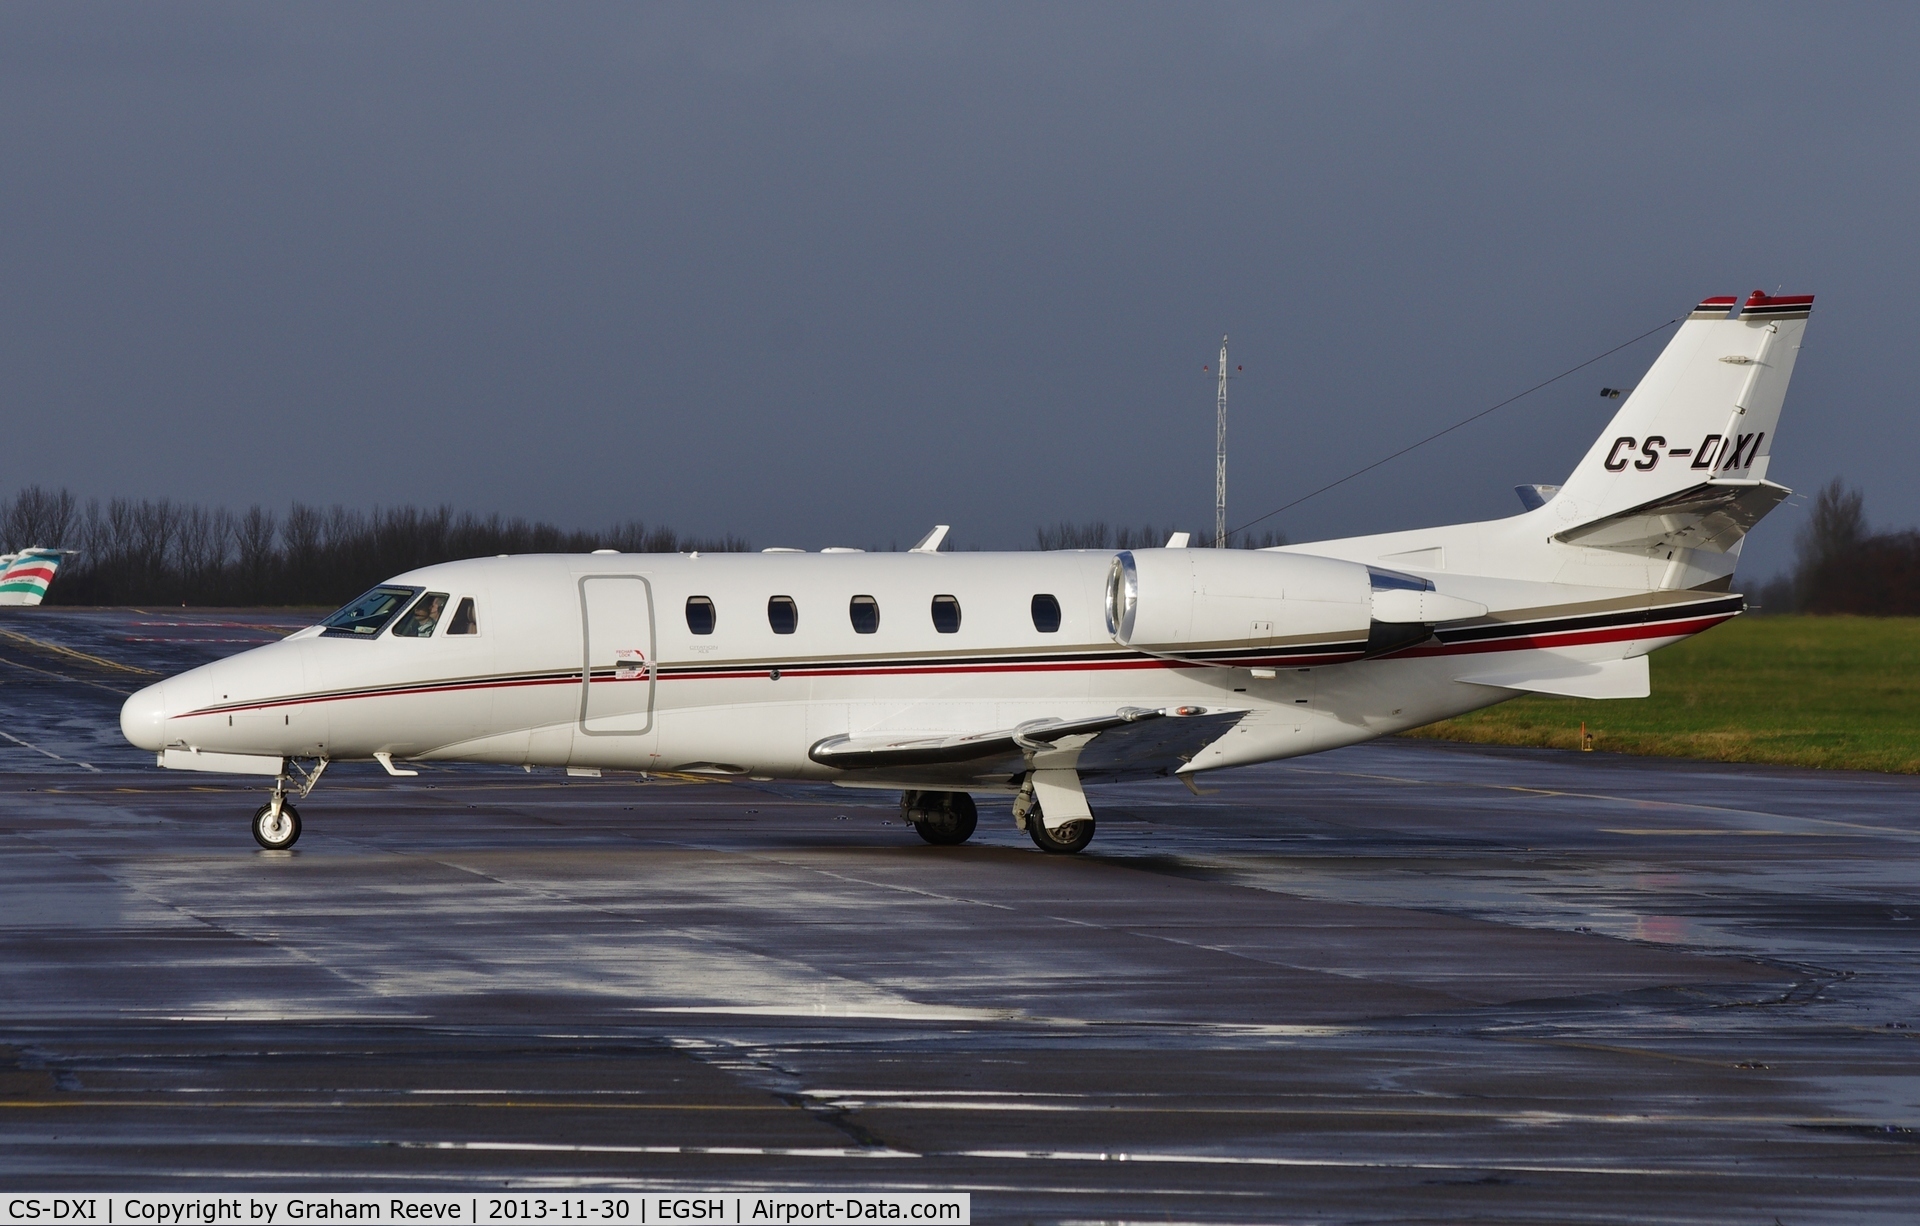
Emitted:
<point x="1835" y="692"/>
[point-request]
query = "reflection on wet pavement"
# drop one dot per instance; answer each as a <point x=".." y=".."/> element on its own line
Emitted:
<point x="1407" y="980"/>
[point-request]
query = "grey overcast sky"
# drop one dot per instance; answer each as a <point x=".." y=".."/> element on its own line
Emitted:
<point x="829" y="274"/>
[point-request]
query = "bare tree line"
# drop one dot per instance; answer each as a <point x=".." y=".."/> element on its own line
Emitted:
<point x="1098" y="534"/>
<point x="1842" y="567"/>
<point x="157" y="551"/>
<point x="160" y="551"/>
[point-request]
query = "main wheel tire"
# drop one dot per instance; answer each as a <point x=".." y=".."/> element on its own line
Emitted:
<point x="1064" y="841"/>
<point x="945" y="819"/>
<point x="280" y="835"/>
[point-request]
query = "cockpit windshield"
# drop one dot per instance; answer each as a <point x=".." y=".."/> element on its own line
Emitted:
<point x="370" y="614"/>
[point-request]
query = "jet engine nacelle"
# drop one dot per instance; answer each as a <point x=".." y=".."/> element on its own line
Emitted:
<point x="1174" y="600"/>
<point x="1170" y="601"/>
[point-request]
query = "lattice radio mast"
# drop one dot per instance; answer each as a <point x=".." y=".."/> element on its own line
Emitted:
<point x="1220" y="456"/>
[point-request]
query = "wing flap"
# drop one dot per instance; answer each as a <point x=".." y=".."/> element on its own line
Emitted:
<point x="1132" y="741"/>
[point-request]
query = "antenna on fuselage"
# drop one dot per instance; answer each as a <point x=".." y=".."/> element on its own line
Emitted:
<point x="1220" y="455"/>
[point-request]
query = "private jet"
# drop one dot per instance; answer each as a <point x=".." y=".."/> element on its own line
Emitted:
<point x="945" y="675"/>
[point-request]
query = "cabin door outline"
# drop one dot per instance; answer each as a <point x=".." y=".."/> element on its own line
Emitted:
<point x="618" y="671"/>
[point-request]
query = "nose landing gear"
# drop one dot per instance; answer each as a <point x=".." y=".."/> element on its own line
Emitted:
<point x="276" y="824"/>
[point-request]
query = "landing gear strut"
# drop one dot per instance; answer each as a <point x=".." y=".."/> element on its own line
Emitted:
<point x="276" y="824"/>
<point x="945" y="819"/>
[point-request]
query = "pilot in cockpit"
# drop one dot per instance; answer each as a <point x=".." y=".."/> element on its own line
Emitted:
<point x="422" y="617"/>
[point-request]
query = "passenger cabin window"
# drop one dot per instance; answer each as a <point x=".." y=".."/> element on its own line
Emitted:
<point x="782" y="614"/>
<point x="700" y="614"/>
<point x="1046" y="614"/>
<point x="864" y="612"/>
<point x="946" y="615"/>
<point x="464" y="621"/>
<point x="419" y="621"/>
<point x="368" y="615"/>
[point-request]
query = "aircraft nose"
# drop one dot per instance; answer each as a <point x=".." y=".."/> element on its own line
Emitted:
<point x="143" y="717"/>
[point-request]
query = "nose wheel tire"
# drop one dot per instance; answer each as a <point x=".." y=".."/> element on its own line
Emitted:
<point x="276" y="834"/>
<point x="945" y="819"/>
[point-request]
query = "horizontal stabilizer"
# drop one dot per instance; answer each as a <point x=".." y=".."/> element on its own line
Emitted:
<point x="1533" y="497"/>
<point x="1714" y="516"/>
<point x="1544" y="673"/>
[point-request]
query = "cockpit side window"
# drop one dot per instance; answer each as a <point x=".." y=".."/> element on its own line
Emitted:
<point x="464" y="619"/>
<point x="368" y="615"/>
<point x="419" y="621"/>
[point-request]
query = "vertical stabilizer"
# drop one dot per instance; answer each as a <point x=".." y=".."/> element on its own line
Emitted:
<point x="27" y="574"/>
<point x="1706" y="412"/>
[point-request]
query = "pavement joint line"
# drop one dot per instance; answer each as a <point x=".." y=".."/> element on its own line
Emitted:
<point x="1622" y="1050"/>
<point x="139" y="889"/>
<point x="1646" y="802"/>
<point x="383" y="1100"/>
<point x="83" y="657"/>
<point x="1023" y="1155"/>
<point x="49" y="753"/>
<point x="555" y="896"/>
<point x="1131" y="931"/>
<point x="45" y="672"/>
<point x="1691" y="1172"/>
<point x="723" y="1151"/>
<point x="382" y="1104"/>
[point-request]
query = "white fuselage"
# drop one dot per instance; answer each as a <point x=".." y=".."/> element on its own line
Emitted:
<point x="590" y="661"/>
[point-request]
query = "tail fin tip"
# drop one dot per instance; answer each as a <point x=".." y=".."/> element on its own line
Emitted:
<point x="1761" y="305"/>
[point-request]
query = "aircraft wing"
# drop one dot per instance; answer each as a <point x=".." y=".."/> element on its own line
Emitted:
<point x="1131" y="743"/>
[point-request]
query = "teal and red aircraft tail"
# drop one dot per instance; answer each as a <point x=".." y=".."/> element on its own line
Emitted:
<point x="27" y="574"/>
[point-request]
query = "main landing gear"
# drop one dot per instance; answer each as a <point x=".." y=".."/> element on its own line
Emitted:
<point x="276" y="824"/>
<point x="1069" y="836"/>
<point x="1062" y="840"/>
<point x="945" y="819"/>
